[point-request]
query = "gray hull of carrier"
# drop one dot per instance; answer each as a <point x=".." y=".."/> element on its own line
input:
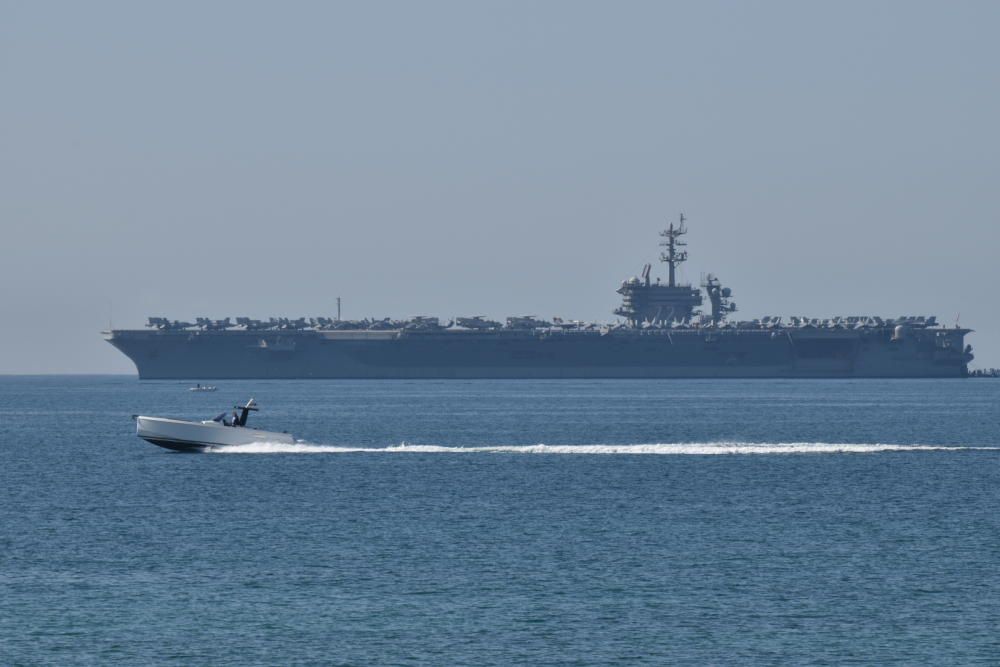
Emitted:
<point x="662" y="334"/>
<point x="651" y="353"/>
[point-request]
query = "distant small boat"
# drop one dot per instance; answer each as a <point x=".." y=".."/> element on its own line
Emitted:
<point x="222" y="431"/>
<point x="201" y="387"/>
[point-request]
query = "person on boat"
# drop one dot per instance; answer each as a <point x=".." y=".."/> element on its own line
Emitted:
<point x="236" y="419"/>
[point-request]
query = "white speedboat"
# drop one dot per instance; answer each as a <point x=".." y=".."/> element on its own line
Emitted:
<point x="223" y="431"/>
<point x="202" y="387"/>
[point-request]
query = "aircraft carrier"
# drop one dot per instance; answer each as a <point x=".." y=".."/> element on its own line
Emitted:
<point x="662" y="333"/>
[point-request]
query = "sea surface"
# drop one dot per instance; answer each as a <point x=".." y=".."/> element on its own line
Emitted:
<point x="505" y="523"/>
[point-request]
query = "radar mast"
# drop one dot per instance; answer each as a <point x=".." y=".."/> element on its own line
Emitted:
<point x="674" y="257"/>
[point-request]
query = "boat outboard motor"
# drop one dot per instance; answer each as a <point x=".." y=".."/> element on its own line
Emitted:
<point x="245" y="412"/>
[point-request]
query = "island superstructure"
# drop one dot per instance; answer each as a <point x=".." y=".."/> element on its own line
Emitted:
<point x="663" y="333"/>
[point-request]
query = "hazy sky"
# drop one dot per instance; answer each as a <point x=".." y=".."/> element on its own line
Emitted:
<point x="193" y="159"/>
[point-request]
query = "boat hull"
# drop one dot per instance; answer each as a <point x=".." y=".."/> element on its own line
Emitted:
<point x="188" y="436"/>
<point x="676" y="353"/>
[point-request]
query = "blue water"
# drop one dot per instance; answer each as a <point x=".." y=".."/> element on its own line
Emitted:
<point x="523" y="522"/>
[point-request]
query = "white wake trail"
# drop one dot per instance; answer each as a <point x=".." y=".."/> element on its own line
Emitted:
<point x="688" y="448"/>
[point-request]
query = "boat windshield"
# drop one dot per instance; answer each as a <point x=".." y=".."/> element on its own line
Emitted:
<point x="221" y="418"/>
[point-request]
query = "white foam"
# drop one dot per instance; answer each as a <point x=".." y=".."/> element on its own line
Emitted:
<point x="686" y="448"/>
